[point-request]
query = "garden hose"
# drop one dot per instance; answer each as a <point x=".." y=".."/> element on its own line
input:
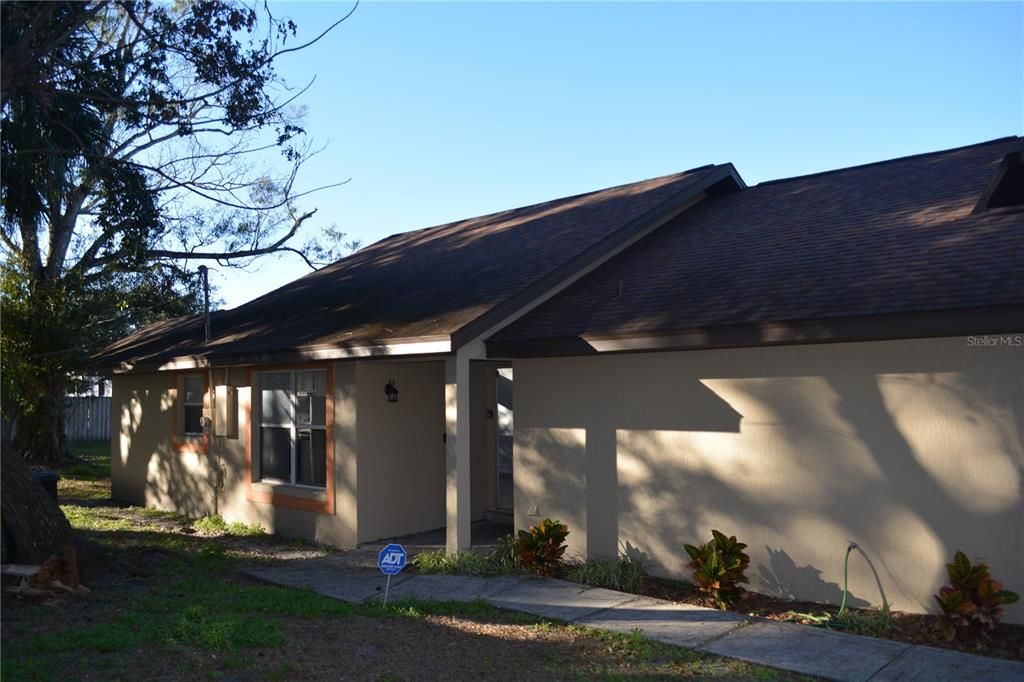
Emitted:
<point x="825" y="619"/>
<point x="846" y="577"/>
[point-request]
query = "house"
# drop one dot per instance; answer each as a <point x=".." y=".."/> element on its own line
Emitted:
<point x="803" y="363"/>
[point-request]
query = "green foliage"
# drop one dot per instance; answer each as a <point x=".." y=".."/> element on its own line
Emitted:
<point x="718" y="567"/>
<point x="215" y="525"/>
<point x="972" y="603"/>
<point x="506" y="552"/>
<point x="114" y="114"/>
<point x="541" y="548"/>
<point x="875" y="622"/>
<point x="245" y="529"/>
<point x="93" y="461"/>
<point x="466" y="562"/>
<point x="210" y="525"/>
<point x="624" y="573"/>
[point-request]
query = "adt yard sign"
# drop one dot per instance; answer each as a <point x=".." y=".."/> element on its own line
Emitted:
<point x="391" y="560"/>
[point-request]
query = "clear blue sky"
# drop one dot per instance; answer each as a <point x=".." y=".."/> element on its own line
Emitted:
<point x="441" y="111"/>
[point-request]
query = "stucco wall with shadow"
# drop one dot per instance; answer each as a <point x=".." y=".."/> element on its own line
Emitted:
<point x="913" y="449"/>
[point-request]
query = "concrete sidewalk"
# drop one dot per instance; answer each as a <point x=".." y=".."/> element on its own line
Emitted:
<point x="788" y="646"/>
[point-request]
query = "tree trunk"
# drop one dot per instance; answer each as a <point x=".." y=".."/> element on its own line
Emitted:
<point x="34" y="527"/>
<point x="39" y="434"/>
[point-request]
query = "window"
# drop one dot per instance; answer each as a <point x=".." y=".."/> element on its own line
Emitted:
<point x="293" y="427"/>
<point x="194" y="388"/>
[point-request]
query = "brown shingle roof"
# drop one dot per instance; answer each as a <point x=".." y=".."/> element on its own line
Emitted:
<point x="890" y="238"/>
<point x="422" y="284"/>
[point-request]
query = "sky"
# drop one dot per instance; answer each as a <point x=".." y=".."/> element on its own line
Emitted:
<point x="435" y="112"/>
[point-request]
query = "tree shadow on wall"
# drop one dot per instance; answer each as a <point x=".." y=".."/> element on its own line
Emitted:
<point x="783" y="578"/>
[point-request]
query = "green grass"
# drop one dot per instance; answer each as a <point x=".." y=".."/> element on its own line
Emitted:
<point x="94" y="460"/>
<point x="623" y="574"/>
<point x="101" y="519"/>
<point x="197" y="603"/>
<point x="174" y="606"/>
<point x="215" y="525"/>
<point x="89" y="477"/>
<point x="875" y="622"/>
<point x="461" y="563"/>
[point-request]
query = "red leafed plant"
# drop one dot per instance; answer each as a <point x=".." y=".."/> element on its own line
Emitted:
<point x="541" y="548"/>
<point x="973" y="601"/>
<point x="718" y="567"/>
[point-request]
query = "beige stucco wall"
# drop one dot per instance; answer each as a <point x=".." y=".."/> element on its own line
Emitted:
<point x="401" y="460"/>
<point x="482" y="433"/>
<point x="145" y="469"/>
<point x="913" y="449"/>
<point x="393" y="451"/>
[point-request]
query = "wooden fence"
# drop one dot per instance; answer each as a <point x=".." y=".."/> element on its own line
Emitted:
<point x="87" y="418"/>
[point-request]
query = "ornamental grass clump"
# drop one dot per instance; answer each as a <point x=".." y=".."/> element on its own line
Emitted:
<point x="718" y="567"/>
<point x="972" y="603"/>
<point x="541" y="548"/>
<point x="624" y="573"/>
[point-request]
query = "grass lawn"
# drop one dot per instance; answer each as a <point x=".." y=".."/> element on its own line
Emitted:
<point x="167" y="603"/>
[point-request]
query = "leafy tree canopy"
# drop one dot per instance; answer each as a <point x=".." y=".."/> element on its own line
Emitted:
<point x="135" y="137"/>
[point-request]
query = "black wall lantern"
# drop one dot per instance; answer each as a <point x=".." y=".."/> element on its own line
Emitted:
<point x="391" y="392"/>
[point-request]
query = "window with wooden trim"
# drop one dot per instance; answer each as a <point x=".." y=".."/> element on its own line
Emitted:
<point x="193" y="390"/>
<point x="293" y="427"/>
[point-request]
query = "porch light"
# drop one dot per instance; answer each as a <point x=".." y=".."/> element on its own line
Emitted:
<point x="391" y="392"/>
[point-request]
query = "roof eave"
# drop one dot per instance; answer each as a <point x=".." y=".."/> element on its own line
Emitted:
<point x="407" y="347"/>
<point x="947" y="323"/>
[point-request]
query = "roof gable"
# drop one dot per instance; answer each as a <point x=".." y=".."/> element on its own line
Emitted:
<point x="417" y="286"/>
<point x="893" y="238"/>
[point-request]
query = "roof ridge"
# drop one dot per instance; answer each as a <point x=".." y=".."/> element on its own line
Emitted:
<point x="333" y="266"/>
<point x="886" y="161"/>
<point x="492" y="214"/>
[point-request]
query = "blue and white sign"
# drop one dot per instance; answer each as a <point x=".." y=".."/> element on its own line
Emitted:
<point x="391" y="560"/>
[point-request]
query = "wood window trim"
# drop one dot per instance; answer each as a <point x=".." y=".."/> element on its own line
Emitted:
<point x="182" y="443"/>
<point x="279" y="496"/>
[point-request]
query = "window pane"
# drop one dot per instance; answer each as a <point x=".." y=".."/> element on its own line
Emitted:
<point x="194" y="386"/>
<point x="313" y="382"/>
<point x="193" y="414"/>
<point x="275" y="453"/>
<point x="275" y="407"/>
<point x="311" y="469"/>
<point x="311" y="398"/>
<point x="311" y="409"/>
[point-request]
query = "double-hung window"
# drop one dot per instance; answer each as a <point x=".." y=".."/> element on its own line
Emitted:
<point x="195" y="387"/>
<point x="293" y="427"/>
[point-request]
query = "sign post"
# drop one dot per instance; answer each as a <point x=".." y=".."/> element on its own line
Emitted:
<point x="391" y="561"/>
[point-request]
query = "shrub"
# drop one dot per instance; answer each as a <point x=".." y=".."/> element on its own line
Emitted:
<point x="876" y="621"/>
<point x="718" y="567"/>
<point x="624" y="574"/>
<point x="973" y="601"/>
<point x="506" y="553"/>
<point x="245" y="529"/>
<point x="210" y="525"/>
<point x="215" y="525"/>
<point x="541" y="548"/>
<point x="459" y="563"/>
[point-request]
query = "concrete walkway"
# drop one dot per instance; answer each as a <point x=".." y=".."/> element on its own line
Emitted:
<point x="788" y="646"/>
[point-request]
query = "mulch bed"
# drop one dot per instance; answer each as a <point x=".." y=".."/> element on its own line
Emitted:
<point x="1005" y="641"/>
